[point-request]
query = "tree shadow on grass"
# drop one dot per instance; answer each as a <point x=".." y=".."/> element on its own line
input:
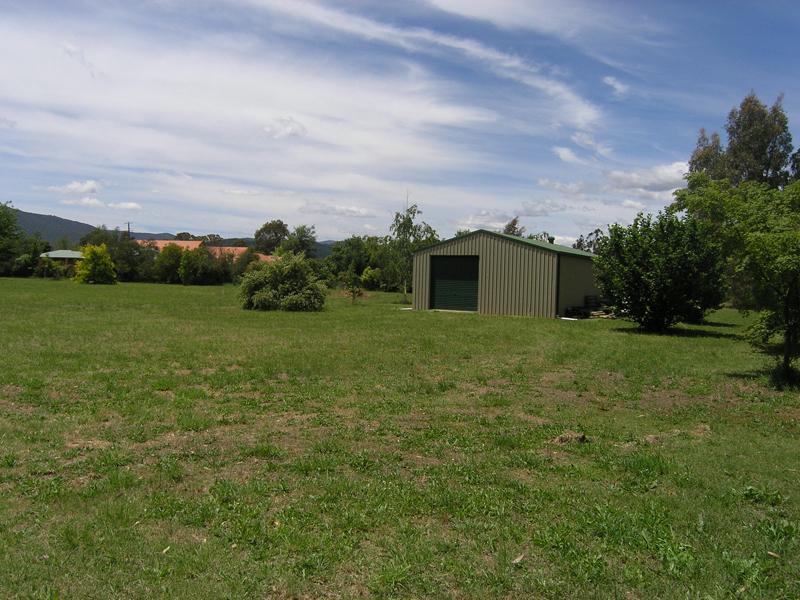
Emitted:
<point x="684" y="333"/>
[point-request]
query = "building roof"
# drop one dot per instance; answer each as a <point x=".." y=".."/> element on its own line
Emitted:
<point x="184" y="245"/>
<point x="519" y="240"/>
<point x="62" y="254"/>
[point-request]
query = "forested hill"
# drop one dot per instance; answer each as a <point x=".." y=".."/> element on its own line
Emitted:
<point x="51" y="227"/>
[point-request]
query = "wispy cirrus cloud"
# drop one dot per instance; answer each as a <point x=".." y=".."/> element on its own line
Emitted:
<point x="567" y="155"/>
<point x="620" y="89"/>
<point x="75" y="52"/>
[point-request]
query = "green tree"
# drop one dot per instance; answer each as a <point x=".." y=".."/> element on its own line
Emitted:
<point x="514" y="228"/>
<point x="353" y="252"/>
<point x="96" y="266"/>
<point x="201" y="267"/>
<point x="542" y="236"/>
<point x="302" y="239"/>
<point x="406" y="236"/>
<point x="593" y="242"/>
<point x="10" y="234"/>
<point x="185" y="236"/>
<point x="212" y="239"/>
<point x="168" y="264"/>
<point x="759" y="146"/>
<point x="28" y="252"/>
<point x="101" y="235"/>
<point x="757" y="228"/>
<point x="270" y="235"/>
<point x="286" y="284"/>
<point x="660" y="272"/>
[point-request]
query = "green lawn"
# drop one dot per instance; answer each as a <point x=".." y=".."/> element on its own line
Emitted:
<point x="159" y="442"/>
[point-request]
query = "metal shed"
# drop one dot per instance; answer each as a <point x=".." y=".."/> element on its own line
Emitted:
<point x="496" y="274"/>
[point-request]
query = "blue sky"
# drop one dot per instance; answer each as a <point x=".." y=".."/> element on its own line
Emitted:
<point x="214" y="117"/>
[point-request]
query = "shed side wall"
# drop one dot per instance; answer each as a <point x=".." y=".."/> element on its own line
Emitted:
<point x="577" y="280"/>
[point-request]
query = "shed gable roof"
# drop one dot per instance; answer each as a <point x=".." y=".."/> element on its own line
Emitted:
<point x="519" y="240"/>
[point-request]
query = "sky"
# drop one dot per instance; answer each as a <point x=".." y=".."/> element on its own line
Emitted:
<point x="218" y="116"/>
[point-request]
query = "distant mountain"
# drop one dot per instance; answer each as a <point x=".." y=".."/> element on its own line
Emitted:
<point x="138" y="235"/>
<point x="52" y="228"/>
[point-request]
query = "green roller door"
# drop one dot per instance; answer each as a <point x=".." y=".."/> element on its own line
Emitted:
<point x="454" y="282"/>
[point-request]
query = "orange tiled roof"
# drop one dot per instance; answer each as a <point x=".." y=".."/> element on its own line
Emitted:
<point x="161" y="244"/>
<point x="237" y="251"/>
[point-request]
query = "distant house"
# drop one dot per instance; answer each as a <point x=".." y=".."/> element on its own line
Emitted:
<point x="495" y="274"/>
<point x="218" y="251"/>
<point x="237" y="251"/>
<point x="65" y="257"/>
<point x="183" y="245"/>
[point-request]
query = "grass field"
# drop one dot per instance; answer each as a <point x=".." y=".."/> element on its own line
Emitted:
<point x="160" y="442"/>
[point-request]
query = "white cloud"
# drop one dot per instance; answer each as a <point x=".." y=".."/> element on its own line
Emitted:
<point x="7" y="123"/>
<point x="126" y="206"/>
<point x="88" y="187"/>
<point x="568" y="105"/>
<point x="632" y="204"/>
<point x="87" y="201"/>
<point x="75" y="52"/>
<point x="541" y="208"/>
<point x="655" y="179"/>
<point x="315" y="207"/>
<point x="241" y="192"/>
<point x="586" y="140"/>
<point x="285" y="127"/>
<point x="575" y="189"/>
<point x="620" y="89"/>
<point x="567" y="155"/>
<point x="484" y="219"/>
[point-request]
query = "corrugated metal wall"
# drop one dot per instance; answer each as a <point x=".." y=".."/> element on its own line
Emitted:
<point x="514" y="279"/>
<point x="577" y="280"/>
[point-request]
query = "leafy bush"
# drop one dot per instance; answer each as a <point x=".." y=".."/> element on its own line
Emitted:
<point x="659" y="272"/>
<point x="46" y="268"/>
<point x="200" y="267"/>
<point x="96" y="266"/>
<point x="168" y="262"/>
<point x="285" y="284"/>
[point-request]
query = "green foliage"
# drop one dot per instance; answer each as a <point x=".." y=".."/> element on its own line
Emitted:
<point x="352" y="283"/>
<point x="201" y="267"/>
<point x="353" y="252"/>
<point x="372" y="279"/>
<point x="593" y="242"/>
<point x="758" y="230"/>
<point x="96" y="266"/>
<point x="270" y="235"/>
<point x="406" y="237"/>
<point x="302" y="240"/>
<point x="46" y="268"/>
<point x="660" y="272"/>
<point x="10" y="234"/>
<point x="242" y="262"/>
<point x="759" y="146"/>
<point x="168" y="263"/>
<point x="513" y="228"/>
<point x="286" y="284"/>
